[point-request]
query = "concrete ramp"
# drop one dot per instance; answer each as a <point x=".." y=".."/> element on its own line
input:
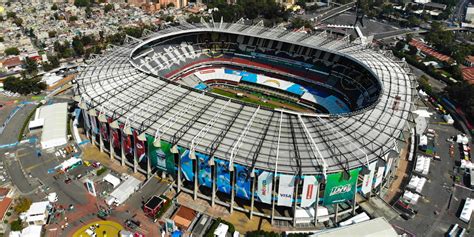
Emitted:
<point x="376" y="207"/>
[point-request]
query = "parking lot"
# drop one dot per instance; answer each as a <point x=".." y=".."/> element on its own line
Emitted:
<point x="441" y="198"/>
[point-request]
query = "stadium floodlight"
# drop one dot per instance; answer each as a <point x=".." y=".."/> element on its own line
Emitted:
<point x="101" y="116"/>
<point x="157" y="141"/>
<point x="92" y="112"/>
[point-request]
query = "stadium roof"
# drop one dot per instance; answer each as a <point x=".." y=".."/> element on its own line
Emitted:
<point x="244" y="133"/>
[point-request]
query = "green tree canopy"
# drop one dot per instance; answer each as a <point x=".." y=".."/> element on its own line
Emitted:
<point x="54" y="7"/>
<point x="82" y="3"/>
<point x="31" y="66"/>
<point x="108" y="8"/>
<point x="12" y="51"/>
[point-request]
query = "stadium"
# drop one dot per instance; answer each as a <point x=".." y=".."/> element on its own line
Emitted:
<point x="262" y="120"/>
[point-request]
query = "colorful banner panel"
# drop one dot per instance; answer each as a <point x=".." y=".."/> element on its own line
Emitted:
<point x="204" y="174"/>
<point x="264" y="187"/>
<point x="127" y="143"/>
<point x="286" y="190"/>
<point x="242" y="182"/>
<point x="368" y="179"/>
<point x="154" y="153"/>
<point x="140" y="148"/>
<point x="339" y="190"/>
<point x="308" y="196"/>
<point x="223" y="176"/>
<point x="86" y="119"/>
<point x="94" y="126"/>
<point x="115" y="133"/>
<point x="187" y="166"/>
<point x="104" y="133"/>
<point x="379" y="177"/>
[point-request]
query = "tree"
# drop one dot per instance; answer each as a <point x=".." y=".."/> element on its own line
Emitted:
<point x="18" y="21"/>
<point x="54" y="7"/>
<point x="12" y="51"/>
<point x="412" y="50"/>
<point x="299" y="22"/>
<point x="88" y="12"/>
<point x="400" y="45"/>
<point x="73" y="18"/>
<point x="2" y="39"/>
<point x="170" y="5"/>
<point x="23" y="204"/>
<point x="108" y="8"/>
<point x="31" y="66"/>
<point x="82" y="3"/>
<point x="193" y="19"/>
<point x="77" y="46"/>
<point x="51" y="34"/>
<point x="53" y="62"/>
<point x="11" y="15"/>
<point x="16" y="225"/>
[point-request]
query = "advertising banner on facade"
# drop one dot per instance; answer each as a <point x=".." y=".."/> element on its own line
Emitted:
<point x="286" y="190"/>
<point x="338" y="189"/>
<point x="368" y="179"/>
<point x="115" y="133"/>
<point x="161" y="157"/>
<point x="95" y="129"/>
<point x="379" y="176"/>
<point x="223" y="176"/>
<point x="242" y="182"/>
<point x="187" y="166"/>
<point x="389" y="166"/>
<point x="140" y="148"/>
<point x="127" y="144"/>
<point x="104" y="133"/>
<point x="310" y="186"/>
<point x="205" y="176"/>
<point x="265" y="187"/>
<point x="87" y="122"/>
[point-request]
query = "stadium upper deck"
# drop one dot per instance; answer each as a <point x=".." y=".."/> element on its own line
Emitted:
<point x="129" y="89"/>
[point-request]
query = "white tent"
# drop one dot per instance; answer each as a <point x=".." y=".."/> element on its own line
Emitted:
<point x="112" y="180"/>
<point x="423" y="140"/>
<point x="32" y="231"/>
<point x="54" y="126"/>
<point x="462" y="138"/>
<point x="127" y="188"/>
<point x="355" y="219"/>
<point x="467" y="210"/>
<point x="306" y="215"/>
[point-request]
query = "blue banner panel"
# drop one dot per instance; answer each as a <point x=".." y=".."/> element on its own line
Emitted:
<point x="205" y="177"/>
<point x="187" y="166"/>
<point x="223" y="176"/>
<point x="242" y="182"/>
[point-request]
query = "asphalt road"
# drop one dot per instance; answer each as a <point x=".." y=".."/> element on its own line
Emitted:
<point x="10" y="134"/>
<point x="460" y="10"/>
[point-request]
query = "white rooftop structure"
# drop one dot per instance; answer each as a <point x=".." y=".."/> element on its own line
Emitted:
<point x="55" y="125"/>
<point x="221" y="230"/>
<point x="371" y="228"/>
<point x="123" y="192"/>
<point x="38" y="212"/>
<point x="112" y="180"/>
<point x="32" y="231"/>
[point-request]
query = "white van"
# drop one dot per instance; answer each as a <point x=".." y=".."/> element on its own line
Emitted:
<point x="91" y="233"/>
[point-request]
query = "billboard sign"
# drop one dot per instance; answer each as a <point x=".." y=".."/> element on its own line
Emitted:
<point x="286" y="189"/>
<point x="338" y="189"/>
<point x="223" y="176"/>
<point x="115" y="138"/>
<point x="140" y="148"/>
<point x="242" y="182"/>
<point x="264" y="187"/>
<point x="86" y="119"/>
<point x="187" y="166"/>
<point x="310" y="186"/>
<point x="368" y="179"/>
<point x="95" y="129"/>
<point x="204" y="176"/>
<point x="379" y="177"/>
<point x="104" y="133"/>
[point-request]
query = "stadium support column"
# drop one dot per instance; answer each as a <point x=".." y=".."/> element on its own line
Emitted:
<point x="135" y="162"/>
<point x="316" y="205"/>
<point x="336" y="213"/>
<point x="101" y="140"/>
<point x="196" y="173"/>
<point x="177" y="159"/>
<point x="148" y="165"/>
<point x="122" y="149"/>
<point x="354" y="202"/>
<point x="232" y="188"/>
<point x="252" y="195"/>
<point x="214" y="180"/>
<point x="274" y="197"/>
<point x="297" y="180"/>
<point x="111" y="148"/>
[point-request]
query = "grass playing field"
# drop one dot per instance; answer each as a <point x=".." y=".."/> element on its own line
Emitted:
<point x="259" y="99"/>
